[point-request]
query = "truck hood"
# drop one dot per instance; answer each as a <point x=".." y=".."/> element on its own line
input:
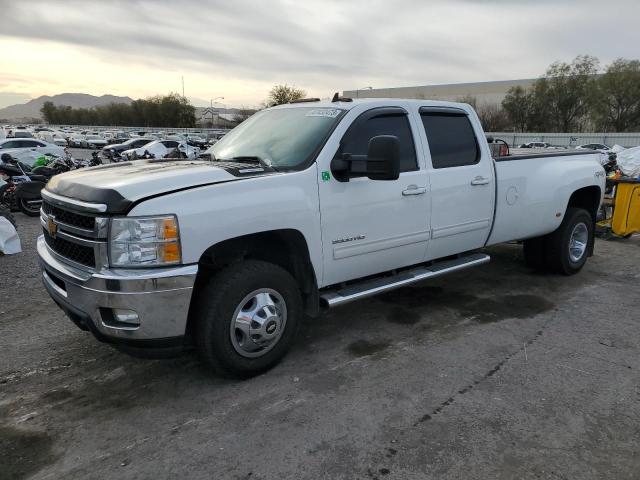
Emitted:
<point x="121" y="185"/>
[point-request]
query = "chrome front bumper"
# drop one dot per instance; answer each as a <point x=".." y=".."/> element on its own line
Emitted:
<point x="160" y="297"/>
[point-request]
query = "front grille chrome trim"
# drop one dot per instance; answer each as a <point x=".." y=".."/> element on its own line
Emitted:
<point x="67" y="227"/>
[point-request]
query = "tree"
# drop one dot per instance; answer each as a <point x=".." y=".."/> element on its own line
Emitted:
<point x="518" y="106"/>
<point x="565" y="93"/>
<point x="616" y="103"/>
<point x="470" y="99"/>
<point x="242" y="114"/>
<point x="171" y="110"/>
<point x="281" y="94"/>
<point x="492" y="117"/>
<point x="48" y="112"/>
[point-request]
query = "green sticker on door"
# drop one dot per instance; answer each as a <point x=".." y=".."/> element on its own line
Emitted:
<point x="326" y="176"/>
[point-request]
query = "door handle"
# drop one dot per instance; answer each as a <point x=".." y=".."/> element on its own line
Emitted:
<point x="480" y="181"/>
<point x="414" y="190"/>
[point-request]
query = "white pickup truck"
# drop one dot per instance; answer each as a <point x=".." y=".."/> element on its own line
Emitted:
<point x="302" y="207"/>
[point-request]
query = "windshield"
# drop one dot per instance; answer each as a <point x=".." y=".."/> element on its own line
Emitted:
<point x="285" y="138"/>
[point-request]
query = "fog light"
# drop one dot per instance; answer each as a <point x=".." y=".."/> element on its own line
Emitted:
<point x="126" y="316"/>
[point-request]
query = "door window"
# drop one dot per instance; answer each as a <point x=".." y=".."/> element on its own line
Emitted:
<point x="356" y="140"/>
<point x="452" y="141"/>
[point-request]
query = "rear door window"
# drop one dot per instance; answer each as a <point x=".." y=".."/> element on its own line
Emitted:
<point x="451" y="138"/>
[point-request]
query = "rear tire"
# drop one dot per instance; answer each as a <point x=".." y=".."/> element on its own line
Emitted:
<point x="570" y="245"/>
<point x="535" y="251"/>
<point x="222" y="341"/>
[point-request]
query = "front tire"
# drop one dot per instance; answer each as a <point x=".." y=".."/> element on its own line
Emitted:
<point x="246" y="317"/>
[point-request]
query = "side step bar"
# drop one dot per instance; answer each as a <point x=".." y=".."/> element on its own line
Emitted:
<point x="368" y="288"/>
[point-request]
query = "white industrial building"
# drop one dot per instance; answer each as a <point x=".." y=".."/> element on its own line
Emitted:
<point x="484" y="92"/>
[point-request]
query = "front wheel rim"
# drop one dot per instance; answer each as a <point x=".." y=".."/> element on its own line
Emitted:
<point x="258" y="323"/>
<point x="578" y="242"/>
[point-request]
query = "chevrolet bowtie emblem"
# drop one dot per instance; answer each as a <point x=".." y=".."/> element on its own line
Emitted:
<point x="52" y="226"/>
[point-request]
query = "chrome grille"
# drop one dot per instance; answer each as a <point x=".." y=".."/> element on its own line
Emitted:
<point x="85" y="222"/>
<point x="73" y="235"/>
<point x="76" y="253"/>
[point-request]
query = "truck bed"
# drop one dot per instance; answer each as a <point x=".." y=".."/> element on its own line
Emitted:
<point x="532" y="191"/>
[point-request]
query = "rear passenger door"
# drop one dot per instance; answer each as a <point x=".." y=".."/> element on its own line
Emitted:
<point x="462" y="182"/>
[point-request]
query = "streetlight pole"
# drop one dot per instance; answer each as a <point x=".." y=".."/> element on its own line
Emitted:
<point x="362" y="88"/>
<point x="212" y="101"/>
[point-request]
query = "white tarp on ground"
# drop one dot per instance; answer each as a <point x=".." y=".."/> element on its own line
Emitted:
<point x="629" y="161"/>
<point x="9" y="240"/>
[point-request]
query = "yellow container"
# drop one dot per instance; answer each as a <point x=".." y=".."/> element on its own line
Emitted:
<point x="626" y="213"/>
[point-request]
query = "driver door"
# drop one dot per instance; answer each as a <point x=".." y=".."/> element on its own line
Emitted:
<point x="371" y="226"/>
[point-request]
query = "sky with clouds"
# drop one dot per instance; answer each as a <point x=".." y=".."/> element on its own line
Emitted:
<point x="238" y="49"/>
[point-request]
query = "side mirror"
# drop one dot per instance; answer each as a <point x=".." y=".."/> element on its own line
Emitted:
<point x="382" y="161"/>
<point x="383" y="158"/>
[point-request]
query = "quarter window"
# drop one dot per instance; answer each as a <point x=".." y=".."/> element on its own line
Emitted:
<point x="452" y="141"/>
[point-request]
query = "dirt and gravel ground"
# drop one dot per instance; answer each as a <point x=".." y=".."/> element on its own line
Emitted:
<point x="492" y="373"/>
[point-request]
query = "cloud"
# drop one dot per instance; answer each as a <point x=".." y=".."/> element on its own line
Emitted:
<point x="325" y="46"/>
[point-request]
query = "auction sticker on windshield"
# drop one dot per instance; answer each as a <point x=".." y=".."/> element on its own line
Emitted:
<point x="324" y="112"/>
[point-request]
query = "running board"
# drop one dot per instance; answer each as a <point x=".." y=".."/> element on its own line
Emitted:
<point x="367" y="288"/>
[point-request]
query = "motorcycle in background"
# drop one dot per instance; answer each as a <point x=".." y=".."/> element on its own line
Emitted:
<point x="21" y="188"/>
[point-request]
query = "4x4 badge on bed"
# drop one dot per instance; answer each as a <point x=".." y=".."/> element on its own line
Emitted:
<point x="52" y="226"/>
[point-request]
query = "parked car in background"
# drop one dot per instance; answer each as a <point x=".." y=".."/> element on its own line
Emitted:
<point x="114" y="150"/>
<point x="94" y="141"/>
<point x="594" y="146"/>
<point x="113" y="137"/>
<point x="22" y="134"/>
<point x="19" y="147"/>
<point x="160" y="148"/>
<point x="75" y="140"/>
<point x="52" y="136"/>
<point x="541" y="145"/>
<point x="196" y="141"/>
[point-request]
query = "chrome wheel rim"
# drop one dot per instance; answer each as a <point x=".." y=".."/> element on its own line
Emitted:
<point x="258" y="323"/>
<point x="578" y="242"/>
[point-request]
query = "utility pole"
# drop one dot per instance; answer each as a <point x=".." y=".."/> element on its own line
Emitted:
<point x="183" y="86"/>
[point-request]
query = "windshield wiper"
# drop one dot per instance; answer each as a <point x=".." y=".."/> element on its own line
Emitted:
<point x="254" y="159"/>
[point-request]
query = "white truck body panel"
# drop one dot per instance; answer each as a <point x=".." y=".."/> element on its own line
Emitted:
<point x="533" y="194"/>
<point x="211" y="214"/>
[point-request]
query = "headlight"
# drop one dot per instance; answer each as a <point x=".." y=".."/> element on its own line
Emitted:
<point x="143" y="242"/>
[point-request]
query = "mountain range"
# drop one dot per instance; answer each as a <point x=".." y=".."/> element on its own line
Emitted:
<point x="31" y="109"/>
